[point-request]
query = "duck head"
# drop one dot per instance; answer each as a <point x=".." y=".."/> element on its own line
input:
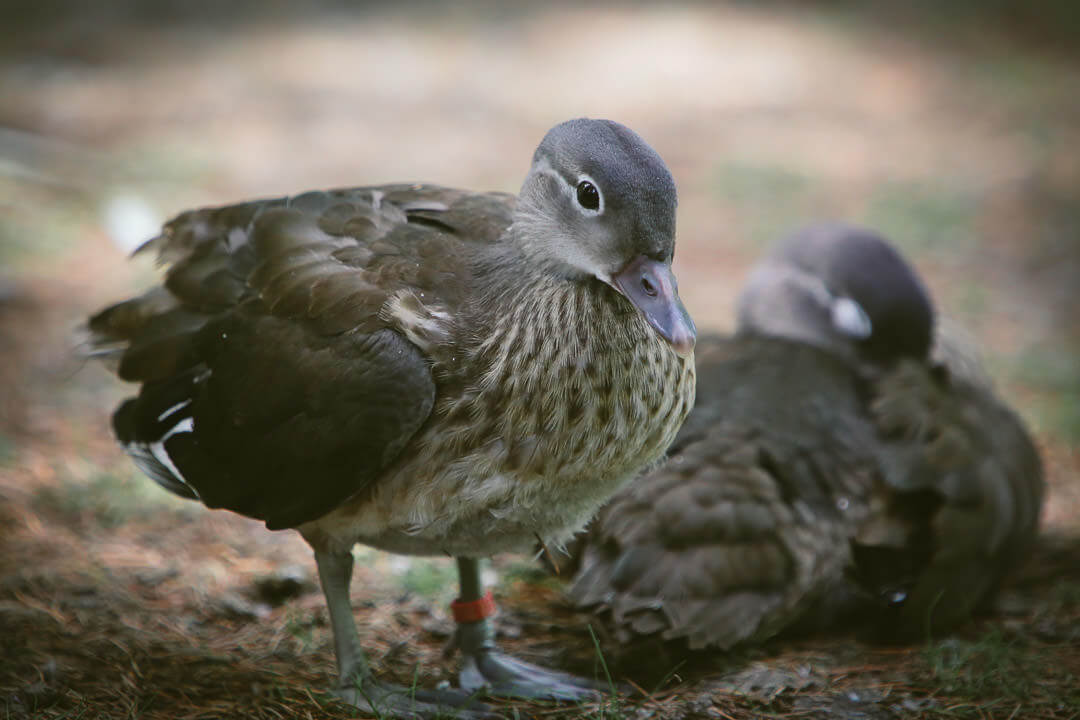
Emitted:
<point x="843" y="288"/>
<point x="598" y="202"/>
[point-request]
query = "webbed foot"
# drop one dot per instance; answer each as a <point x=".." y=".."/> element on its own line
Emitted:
<point x="395" y="701"/>
<point x="502" y="675"/>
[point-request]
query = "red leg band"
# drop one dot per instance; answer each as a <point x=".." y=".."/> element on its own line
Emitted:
<point x="473" y="610"/>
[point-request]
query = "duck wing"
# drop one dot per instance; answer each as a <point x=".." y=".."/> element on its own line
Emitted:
<point x="959" y="506"/>
<point x="285" y="360"/>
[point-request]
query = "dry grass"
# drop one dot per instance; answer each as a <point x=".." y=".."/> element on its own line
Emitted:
<point x="117" y="600"/>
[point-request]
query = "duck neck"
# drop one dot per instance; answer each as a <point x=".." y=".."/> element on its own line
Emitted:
<point x="516" y="280"/>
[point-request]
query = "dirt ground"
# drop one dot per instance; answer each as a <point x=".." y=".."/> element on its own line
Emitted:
<point x="957" y="140"/>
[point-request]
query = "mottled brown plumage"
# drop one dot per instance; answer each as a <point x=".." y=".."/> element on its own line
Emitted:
<point x="827" y="468"/>
<point x="417" y="368"/>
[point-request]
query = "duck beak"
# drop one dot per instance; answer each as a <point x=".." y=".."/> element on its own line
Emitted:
<point x="650" y="286"/>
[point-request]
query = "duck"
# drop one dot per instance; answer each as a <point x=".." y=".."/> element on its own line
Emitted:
<point x="420" y="369"/>
<point x="833" y="468"/>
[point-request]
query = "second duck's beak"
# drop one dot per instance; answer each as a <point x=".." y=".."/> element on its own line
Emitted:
<point x="650" y="285"/>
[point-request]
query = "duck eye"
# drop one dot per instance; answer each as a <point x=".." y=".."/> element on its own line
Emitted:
<point x="587" y="195"/>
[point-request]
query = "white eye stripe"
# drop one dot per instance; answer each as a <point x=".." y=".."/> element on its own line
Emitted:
<point x="543" y="167"/>
<point x="847" y="316"/>
<point x="850" y="318"/>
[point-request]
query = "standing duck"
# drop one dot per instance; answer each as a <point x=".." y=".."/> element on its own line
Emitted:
<point x="826" y="457"/>
<point x="419" y="369"/>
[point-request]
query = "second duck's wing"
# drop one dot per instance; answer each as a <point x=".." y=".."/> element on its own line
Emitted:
<point x="960" y="504"/>
<point x="747" y="524"/>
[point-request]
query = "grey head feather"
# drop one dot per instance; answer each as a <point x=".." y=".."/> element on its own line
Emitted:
<point x="635" y="212"/>
<point x="843" y="288"/>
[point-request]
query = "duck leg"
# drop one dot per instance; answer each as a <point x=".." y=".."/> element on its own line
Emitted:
<point x="484" y="667"/>
<point x="356" y="685"/>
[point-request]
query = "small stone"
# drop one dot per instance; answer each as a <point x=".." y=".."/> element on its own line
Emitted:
<point x="237" y="606"/>
<point x="152" y="577"/>
<point x="284" y="585"/>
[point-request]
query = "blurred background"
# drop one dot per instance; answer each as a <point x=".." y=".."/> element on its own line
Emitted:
<point x="955" y="132"/>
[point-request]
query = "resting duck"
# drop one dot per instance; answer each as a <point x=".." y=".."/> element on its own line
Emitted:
<point x="419" y="369"/>
<point x="827" y="459"/>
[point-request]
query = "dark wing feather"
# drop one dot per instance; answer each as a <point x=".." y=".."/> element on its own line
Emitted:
<point x="960" y="506"/>
<point x="272" y="385"/>
<point x="746" y="526"/>
<point x="286" y="436"/>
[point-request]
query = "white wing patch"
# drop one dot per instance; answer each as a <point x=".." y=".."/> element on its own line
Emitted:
<point x="153" y="458"/>
<point x="235" y="238"/>
<point x="424" y="325"/>
<point x="174" y="408"/>
<point x="157" y="449"/>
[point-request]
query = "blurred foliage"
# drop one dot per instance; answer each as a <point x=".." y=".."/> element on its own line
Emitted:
<point x="522" y="569"/>
<point x="970" y="667"/>
<point x="7" y="450"/>
<point x="1048" y="25"/>
<point x="80" y="27"/>
<point x="1055" y="373"/>
<point x="108" y="499"/>
<point x="771" y="200"/>
<point x="430" y="579"/>
<point x="936" y="220"/>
